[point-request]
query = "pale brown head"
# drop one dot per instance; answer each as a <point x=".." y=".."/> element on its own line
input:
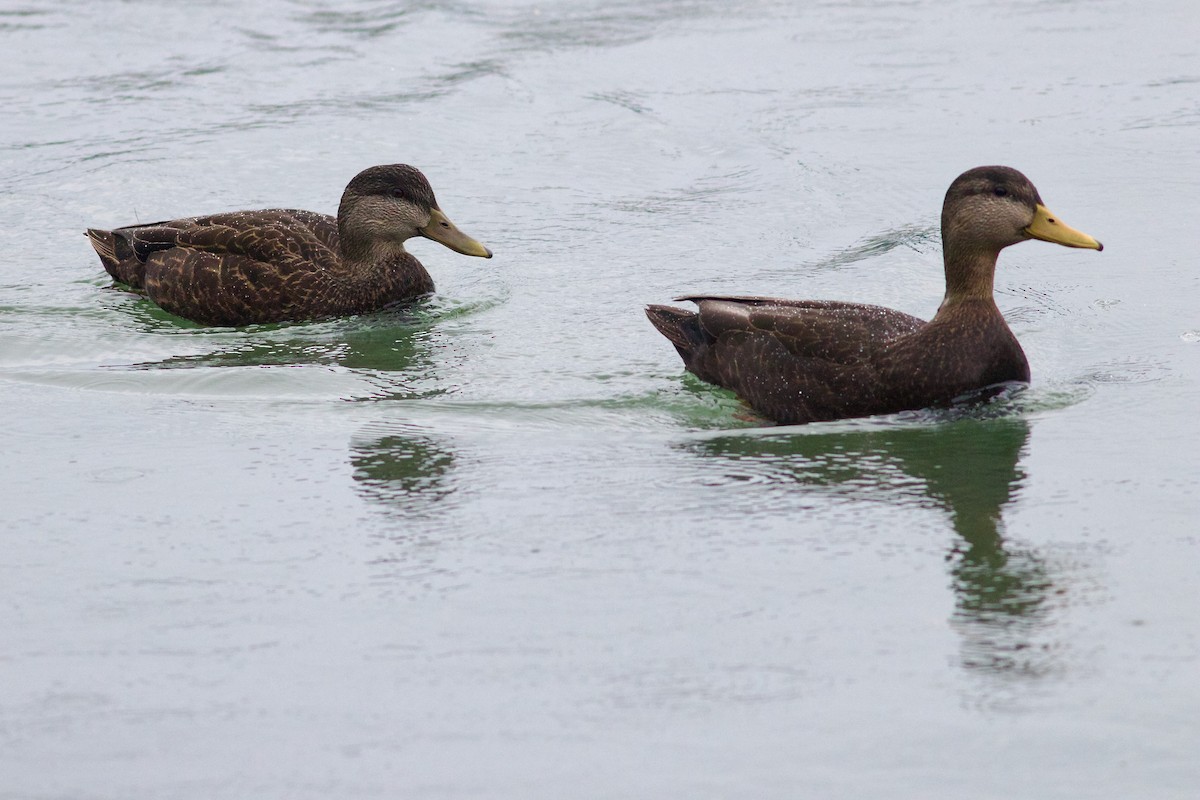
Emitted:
<point x="986" y="210"/>
<point x="385" y="206"/>
<point x="990" y="208"/>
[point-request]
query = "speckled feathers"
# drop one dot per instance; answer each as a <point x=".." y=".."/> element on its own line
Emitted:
<point x="273" y="265"/>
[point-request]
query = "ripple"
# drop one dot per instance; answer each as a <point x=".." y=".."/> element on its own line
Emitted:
<point x="368" y="23"/>
<point x="1045" y="301"/>
<point x="709" y="190"/>
<point x="678" y="685"/>
<point x="22" y="19"/>
<point x="1132" y="370"/>
<point x="243" y="382"/>
<point x="919" y="238"/>
<point x="630" y="101"/>
<point x="594" y="24"/>
<point x="117" y="475"/>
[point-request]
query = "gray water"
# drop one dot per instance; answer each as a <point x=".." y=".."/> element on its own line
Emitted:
<point x="499" y="544"/>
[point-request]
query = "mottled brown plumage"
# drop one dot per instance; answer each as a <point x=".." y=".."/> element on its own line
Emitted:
<point x="797" y="361"/>
<point x="274" y="265"/>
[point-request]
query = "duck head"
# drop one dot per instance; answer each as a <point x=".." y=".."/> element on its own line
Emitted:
<point x="994" y="207"/>
<point x="987" y="209"/>
<point x="385" y="206"/>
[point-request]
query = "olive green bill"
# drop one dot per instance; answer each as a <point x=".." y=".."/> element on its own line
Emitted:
<point x="1047" y="227"/>
<point x="443" y="231"/>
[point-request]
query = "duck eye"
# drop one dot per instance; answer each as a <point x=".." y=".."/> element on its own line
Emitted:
<point x="1000" y="191"/>
<point x="397" y="192"/>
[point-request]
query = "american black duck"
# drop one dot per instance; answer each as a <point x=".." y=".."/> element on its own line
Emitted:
<point x="274" y="265"/>
<point x="797" y="361"/>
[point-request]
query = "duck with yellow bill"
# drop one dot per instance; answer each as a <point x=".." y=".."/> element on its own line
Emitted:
<point x="798" y="361"/>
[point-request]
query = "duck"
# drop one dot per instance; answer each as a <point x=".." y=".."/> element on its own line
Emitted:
<point x="286" y="265"/>
<point x="800" y="361"/>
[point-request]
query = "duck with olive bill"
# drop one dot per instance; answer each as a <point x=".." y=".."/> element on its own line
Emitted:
<point x="276" y="265"/>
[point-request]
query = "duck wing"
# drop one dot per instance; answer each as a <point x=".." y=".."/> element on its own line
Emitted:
<point x="844" y="333"/>
<point x="231" y="268"/>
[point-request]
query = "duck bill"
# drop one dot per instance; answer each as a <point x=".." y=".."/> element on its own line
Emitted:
<point x="443" y="231"/>
<point x="1047" y="227"/>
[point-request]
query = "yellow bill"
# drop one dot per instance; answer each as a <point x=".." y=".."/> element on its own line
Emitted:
<point x="1047" y="227"/>
<point x="443" y="231"/>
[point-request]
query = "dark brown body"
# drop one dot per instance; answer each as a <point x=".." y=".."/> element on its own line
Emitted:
<point x="253" y="266"/>
<point x="808" y="361"/>
<point x="797" y="361"/>
<point x="244" y="267"/>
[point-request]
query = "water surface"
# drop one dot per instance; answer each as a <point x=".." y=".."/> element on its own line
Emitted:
<point x="499" y="544"/>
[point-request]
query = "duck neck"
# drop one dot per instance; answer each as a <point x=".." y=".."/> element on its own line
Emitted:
<point x="361" y="253"/>
<point x="970" y="275"/>
<point x="375" y="268"/>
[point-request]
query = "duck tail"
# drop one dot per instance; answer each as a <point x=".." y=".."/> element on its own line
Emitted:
<point x="105" y="245"/>
<point x="681" y="327"/>
<point x="117" y="256"/>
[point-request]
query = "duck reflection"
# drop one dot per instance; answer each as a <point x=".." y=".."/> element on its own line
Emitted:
<point x="407" y="471"/>
<point x="392" y="350"/>
<point x="969" y="468"/>
<point x="409" y="475"/>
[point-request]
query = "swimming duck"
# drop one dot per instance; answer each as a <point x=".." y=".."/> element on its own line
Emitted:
<point x="274" y="265"/>
<point x="797" y="361"/>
